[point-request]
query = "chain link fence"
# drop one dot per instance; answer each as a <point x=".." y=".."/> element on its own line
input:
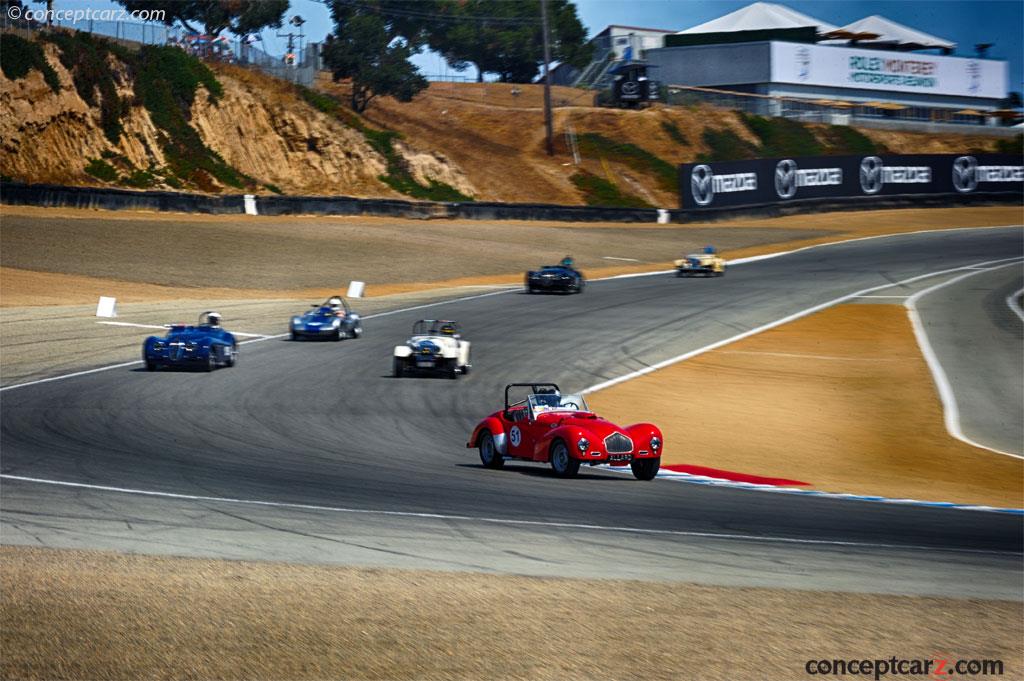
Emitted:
<point x="298" y="66"/>
<point x="836" y="112"/>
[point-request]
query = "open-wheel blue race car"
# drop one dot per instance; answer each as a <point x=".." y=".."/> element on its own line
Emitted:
<point x="203" y="346"/>
<point x="332" y="319"/>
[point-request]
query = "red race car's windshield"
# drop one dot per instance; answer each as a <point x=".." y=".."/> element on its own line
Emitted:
<point x="548" y="402"/>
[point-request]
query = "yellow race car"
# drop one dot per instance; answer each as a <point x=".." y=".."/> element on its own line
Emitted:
<point x="707" y="263"/>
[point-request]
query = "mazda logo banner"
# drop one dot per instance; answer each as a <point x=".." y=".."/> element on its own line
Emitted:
<point x="758" y="182"/>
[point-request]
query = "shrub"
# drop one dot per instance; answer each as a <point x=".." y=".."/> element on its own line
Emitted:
<point x="725" y="145"/>
<point x="673" y="131"/>
<point x="86" y="59"/>
<point x="782" y="136"/>
<point x="166" y="81"/>
<point x="142" y="179"/>
<point x="598" y="191"/>
<point x="318" y="100"/>
<point x="1014" y="145"/>
<point x="19" y="56"/>
<point x="101" y="170"/>
<point x="842" y="139"/>
<point x="641" y="160"/>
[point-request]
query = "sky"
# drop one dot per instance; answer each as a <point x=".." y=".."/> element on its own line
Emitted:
<point x="965" y="22"/>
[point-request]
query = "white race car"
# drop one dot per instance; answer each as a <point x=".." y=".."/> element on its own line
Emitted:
<point x="436" y="346"/>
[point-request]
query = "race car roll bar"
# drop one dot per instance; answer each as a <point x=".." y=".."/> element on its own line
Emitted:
<point x="537" y="388"/>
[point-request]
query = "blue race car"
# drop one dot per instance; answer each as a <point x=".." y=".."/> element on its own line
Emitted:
<point x="562" y="278"/>
<point x="204" y="346"/>
<point x="333" y="319"/>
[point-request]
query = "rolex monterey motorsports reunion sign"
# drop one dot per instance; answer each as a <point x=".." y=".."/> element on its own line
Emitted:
<point x="895" y="72"/>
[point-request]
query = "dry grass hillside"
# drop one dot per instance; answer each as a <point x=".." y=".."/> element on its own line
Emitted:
<point x="82" y="111"/>
<point x="494" y="132"/>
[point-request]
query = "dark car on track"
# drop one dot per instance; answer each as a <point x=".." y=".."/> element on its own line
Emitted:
<point x="555" y="278"/>
<point x="203" y="346"/>
<point x="332" y="319"/>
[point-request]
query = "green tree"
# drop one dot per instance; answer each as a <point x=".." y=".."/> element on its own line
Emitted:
<point x="505" y="36"/>
<point x="372" y="47"/>
<point x="235" y="16"/>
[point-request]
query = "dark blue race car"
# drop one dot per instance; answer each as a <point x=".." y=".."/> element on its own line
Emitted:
<point x="204" y="346"/>
<point x="333" y="319"/>
<point x="562" y="278"/>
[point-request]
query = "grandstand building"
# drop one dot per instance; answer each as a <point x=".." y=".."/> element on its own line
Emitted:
<point x="776" y="61"/>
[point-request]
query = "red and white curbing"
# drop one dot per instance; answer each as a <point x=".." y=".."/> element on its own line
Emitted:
<point x="676" y="476"/>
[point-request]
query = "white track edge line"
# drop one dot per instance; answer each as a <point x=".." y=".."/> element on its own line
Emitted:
<point x="950" y="408"/>
<point x="1011" y="301"/>
<point x="499" y="521"/>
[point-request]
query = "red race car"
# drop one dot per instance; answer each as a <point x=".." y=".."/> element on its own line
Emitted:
<point x="550" y="427"/>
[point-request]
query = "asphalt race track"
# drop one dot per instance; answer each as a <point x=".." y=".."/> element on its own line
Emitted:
<point x="973" y="313"/>
<point x="324" y="432"/>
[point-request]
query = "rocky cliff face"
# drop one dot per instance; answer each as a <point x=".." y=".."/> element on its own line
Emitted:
<point x="48" y="136"/>
<point x="287" y="144"/>
<point x="259" y="127"/>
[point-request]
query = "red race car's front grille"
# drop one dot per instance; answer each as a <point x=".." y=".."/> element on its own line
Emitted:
<point x="617" y="443"/>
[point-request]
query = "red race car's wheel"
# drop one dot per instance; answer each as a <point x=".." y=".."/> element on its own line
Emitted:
<point x="562" y="463"/>
<point x="489" y="455"/>
<point x="645" y="469"/>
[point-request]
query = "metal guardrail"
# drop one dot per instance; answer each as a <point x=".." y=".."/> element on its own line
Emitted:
<point x="16" y="193"/>
<point x="303" y="70"/>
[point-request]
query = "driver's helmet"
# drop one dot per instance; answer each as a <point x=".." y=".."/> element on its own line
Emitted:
<point x="447" y="329"/>
<point x="213" y="319"/>
<point x="710" y="250"/>
<point x="334" y="304"/>
<point x="547" y="400"/>
<point x="567" y="261"/>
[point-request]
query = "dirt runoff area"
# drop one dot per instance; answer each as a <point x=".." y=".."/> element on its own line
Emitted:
<point x="67" y="257"/>
<point x="842" y="400"/>
<point x="74" y="614"/>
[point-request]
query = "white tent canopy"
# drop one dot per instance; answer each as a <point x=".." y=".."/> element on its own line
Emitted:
<point x="760" y="16"/>
<point x="891" y="33"/>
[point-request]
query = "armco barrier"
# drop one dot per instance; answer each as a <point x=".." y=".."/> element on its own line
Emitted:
<point x="328" y="205"/>
<point x="14" y="193"/>
<point x="49" y="195"/>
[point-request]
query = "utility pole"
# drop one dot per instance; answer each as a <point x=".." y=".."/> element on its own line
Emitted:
<point x="550" y="142"/>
